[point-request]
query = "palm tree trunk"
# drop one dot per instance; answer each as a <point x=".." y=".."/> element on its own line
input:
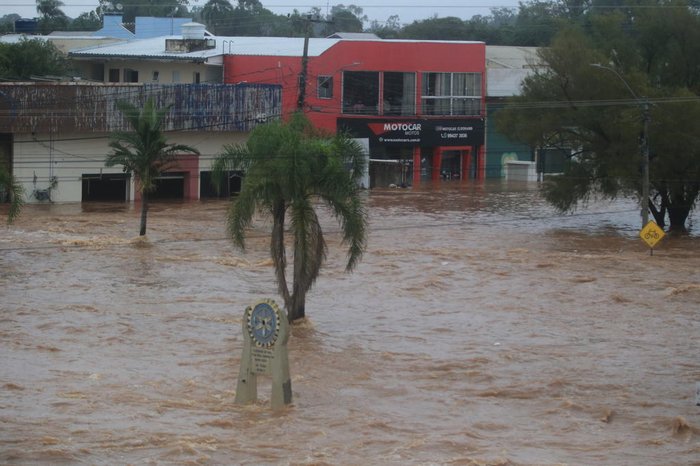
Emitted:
<point x="144" y="213"/>
<point x="297" y="308"/>
<point x="279" y="255"/>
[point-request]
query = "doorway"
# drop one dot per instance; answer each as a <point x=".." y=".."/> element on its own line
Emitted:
<point x="105" y="187"/>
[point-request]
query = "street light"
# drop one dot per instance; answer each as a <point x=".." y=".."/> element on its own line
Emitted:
<point x="644" y="104"/>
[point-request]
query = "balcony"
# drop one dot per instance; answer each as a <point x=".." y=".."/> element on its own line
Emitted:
<point x="92" y="108"/>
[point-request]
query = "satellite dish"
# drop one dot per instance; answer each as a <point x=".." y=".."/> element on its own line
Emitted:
<point x="119" y="6"/>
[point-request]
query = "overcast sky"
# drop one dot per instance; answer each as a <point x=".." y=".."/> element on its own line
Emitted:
<point x="407" y="10"/>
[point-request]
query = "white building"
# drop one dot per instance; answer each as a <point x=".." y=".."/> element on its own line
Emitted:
<point x="55" y="136"/>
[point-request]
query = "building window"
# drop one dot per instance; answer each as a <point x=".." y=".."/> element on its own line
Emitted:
<point x="399" y="93"/>
<point x="176" y="76"/>
<point x="451" y="94"/>
<point x="156" y="75"/>
<point x="361" y="92"/>
<point x="131" y="76"/>
<point x="325" y="87"/>
<point x="114" y="75"/>
<point x="195" y="77"/>
<point x="97" y="72"/>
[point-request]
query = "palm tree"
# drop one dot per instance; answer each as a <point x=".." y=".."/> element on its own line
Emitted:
<point x="50" y="8"/>
<point x="10" y="187"/>
<point x="144" y="151"/>
<point x="288" y="167"/>
<point x="52" y="17"/>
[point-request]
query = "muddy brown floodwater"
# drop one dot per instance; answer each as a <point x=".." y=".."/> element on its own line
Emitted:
<point x="480" y="328"/>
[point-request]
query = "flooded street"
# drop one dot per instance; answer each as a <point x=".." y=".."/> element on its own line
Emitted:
<point x="481" y="327"/>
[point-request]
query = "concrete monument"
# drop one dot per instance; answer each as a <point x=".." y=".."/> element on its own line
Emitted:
<point x="265" y="335"/>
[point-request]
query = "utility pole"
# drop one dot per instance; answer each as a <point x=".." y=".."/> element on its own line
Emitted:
<point x="646" y="116"/>
<point x="301" y="100"/>
<point x="304" y="66"/>
<point x="645" y="166"/>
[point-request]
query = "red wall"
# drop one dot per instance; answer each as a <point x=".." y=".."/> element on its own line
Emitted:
<point x="378" y="55"/>
<point x="189" y="165"/>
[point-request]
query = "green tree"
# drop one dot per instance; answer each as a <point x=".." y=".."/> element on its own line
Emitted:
<point x="30" y="57"/>
<point x="88" y="21"/>
<point x="251" y="19"/>
<point x="247" y="18"/>
<point x="390" y="29"/>
<point x="598" y="112"/>
<point x="538" y="21"/>
<point x="435" y="28"/>
<point x="216" y="14"/>
<point x="158" y="8"/>
<point x="11" y="190"/>
<point x="344" y="18"/>
<point x="144" y="152"/>
<point x="51" y="17"/>
<point x="289" y="167"/>
<point x="7" y="23"/>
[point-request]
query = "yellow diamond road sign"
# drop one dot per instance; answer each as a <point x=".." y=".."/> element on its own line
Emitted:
<point x="652" y="234"/>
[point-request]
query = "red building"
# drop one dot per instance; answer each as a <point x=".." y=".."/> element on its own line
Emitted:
<point x="420" y="104"/>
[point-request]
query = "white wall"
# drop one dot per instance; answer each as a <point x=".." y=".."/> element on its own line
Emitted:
<point x="207" y="73"/>
<point x="40" y="157"/>
<point x="168" y="72"/>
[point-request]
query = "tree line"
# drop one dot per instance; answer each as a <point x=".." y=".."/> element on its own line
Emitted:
<point x="533" y="23"/>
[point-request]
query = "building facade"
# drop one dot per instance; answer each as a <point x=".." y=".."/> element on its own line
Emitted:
<point x="506" y="69"/>
<point x="420" y="105"/>
<point x="56" y="136"/>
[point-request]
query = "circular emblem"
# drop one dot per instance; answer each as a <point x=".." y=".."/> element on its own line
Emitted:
<point x="263" y="323"/>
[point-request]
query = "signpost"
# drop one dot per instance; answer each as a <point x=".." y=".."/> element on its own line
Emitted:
<point x="265" y="335"/>
<point x="651" y="234"/>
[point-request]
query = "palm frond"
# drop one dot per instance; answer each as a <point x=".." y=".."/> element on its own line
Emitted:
<point x="240" y="216"/>
<point x="233" y="157"/>
<point x="309" y="244"/>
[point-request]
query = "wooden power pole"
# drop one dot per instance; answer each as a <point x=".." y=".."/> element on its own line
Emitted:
<point x="301" y="100"/>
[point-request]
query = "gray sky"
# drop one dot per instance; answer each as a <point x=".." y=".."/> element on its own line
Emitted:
<point x="407" y="10"/>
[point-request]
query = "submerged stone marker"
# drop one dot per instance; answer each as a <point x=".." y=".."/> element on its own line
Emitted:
<point x="265" y="335"/>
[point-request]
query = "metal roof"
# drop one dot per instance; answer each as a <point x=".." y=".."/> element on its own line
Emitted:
<point x="354" y="35"/>
<point x="154" y="48"/>
<point x="507" y="67"/>
<point x="513" y="57"/>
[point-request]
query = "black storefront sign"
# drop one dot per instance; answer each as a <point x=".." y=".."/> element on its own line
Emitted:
<point x="416" y="132"/>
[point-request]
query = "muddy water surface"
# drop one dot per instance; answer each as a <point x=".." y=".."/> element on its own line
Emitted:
<point x="480" y="328"/>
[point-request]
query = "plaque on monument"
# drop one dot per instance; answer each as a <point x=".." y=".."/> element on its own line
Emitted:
<point x="265" y="335"/>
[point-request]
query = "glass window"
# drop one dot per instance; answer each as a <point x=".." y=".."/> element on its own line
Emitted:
<point x="437" y="84"/>
<point x="114" y="75"/>
<point x="451" y="94"/>
<point x="399" y="93"/>
<point x="361" y="92"/>
<point x="131" y="76"/>
<point x="325" y="87"/>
